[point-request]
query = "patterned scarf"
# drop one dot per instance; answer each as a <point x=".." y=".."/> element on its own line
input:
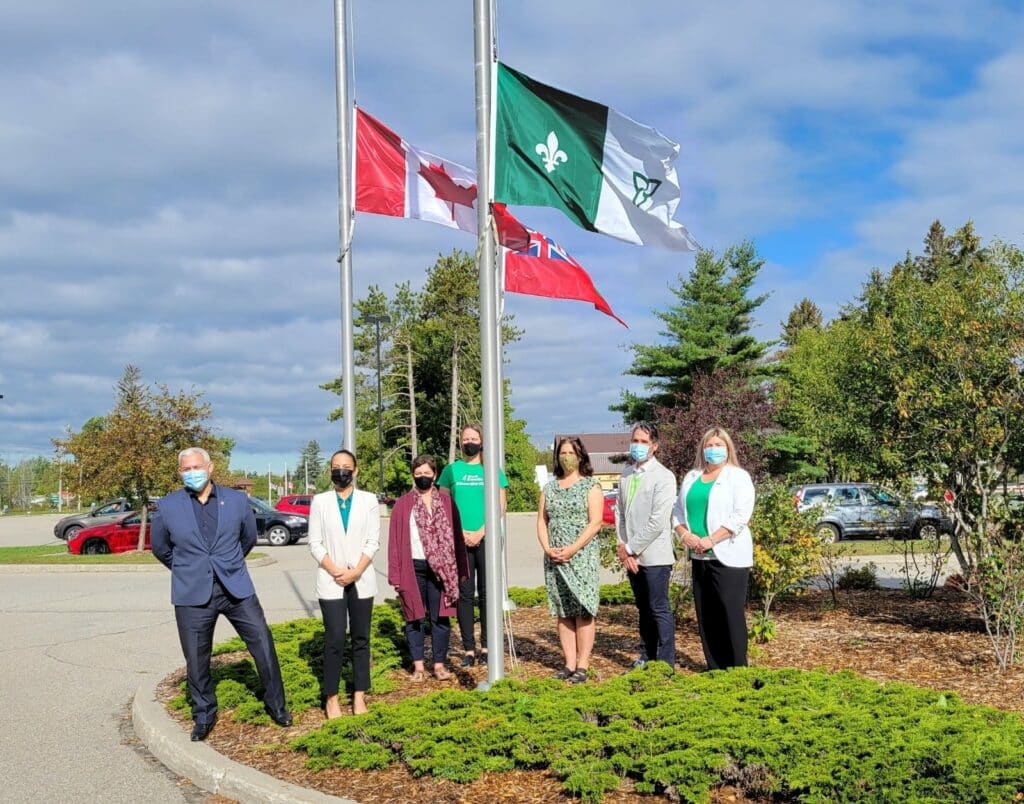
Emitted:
<point x="438" y="543"/>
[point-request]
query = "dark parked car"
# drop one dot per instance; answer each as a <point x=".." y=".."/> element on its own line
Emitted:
<point x="110" y="511"/>
<point x="278" y="527"/>
<point x="863" y="509"/>
<point x="120" y="536"/>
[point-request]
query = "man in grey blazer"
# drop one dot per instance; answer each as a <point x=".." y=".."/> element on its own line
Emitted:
<point x="202" y="534"/>
<point x="647" y="492"/>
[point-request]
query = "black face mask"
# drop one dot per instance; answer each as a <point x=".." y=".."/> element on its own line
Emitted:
<point x="423" y="482"/>
<point x="470" y="450"/>
<point x="342" y="478"/>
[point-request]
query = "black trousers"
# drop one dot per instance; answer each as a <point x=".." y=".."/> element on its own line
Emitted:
<point x="431" y="589"/>
<point x="195" y="631"/>
<point x="657" y="622"/>
<point x="474" y="585"/>
<point x="719" y="596"/>
<point x="340" y="615"/>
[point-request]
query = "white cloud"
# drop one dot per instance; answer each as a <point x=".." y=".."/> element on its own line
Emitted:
<point x="168" y="192"/>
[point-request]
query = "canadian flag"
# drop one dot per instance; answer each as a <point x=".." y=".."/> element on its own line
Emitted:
<point x="397" y="179"/>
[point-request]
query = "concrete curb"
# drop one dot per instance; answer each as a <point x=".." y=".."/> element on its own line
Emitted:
<point x="19" y="568"/>
<point x="204" y="767"/>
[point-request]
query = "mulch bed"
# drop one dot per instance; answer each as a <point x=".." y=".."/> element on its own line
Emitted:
<point x="884" y="635"/>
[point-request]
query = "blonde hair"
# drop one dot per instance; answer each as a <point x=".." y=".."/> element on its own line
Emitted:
<point x="715" y="432"/>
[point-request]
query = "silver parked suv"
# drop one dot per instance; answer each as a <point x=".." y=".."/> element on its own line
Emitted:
<point x="850" y="510"/>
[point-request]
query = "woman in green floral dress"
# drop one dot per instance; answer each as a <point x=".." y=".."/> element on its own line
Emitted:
<point x="568" y="520"/>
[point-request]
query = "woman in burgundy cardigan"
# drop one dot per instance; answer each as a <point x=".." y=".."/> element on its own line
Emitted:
<point x="426" y="563"/>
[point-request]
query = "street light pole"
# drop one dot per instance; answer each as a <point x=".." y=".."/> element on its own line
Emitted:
<point x="378" y="320"/>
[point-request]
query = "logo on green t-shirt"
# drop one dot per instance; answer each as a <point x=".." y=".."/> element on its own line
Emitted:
<point x="466" y="483"/>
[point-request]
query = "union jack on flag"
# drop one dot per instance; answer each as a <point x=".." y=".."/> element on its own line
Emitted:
<point x="543" y="246"/>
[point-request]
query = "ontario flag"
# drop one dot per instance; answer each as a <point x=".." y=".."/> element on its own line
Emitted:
<point x="546" y="269"/>
<point x="398" y="179"/>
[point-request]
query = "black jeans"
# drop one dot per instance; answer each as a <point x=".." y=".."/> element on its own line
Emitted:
<point x="657" y="622"/>
<point x="338" y="616"/>
<point x="719" y="595"/>
<point x="431" y="588"/>
<point x="475" y="584"/>
<point x="195" y="631"/>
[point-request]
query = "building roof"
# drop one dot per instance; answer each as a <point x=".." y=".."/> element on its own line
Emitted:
<point x="602" y="447"/>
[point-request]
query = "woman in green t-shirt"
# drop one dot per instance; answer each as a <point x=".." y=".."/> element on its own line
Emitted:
<point x="465" y="480"/>
<point x="711" y="518"/>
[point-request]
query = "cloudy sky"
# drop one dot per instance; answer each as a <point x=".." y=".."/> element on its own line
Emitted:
<point x="168" y="181"/>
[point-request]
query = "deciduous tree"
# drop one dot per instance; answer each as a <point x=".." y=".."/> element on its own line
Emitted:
<point x="133" y="450"/>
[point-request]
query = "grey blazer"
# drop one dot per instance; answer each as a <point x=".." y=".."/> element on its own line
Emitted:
<point x="645" y="525"/>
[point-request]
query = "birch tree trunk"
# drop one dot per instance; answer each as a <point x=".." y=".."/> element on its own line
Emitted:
<point x="454" y="420"/>
<point x="413" y="435"/>
<point x="142" y="527"/>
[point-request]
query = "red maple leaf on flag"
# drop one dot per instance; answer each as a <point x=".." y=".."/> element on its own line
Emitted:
<point x="445" y="188"/>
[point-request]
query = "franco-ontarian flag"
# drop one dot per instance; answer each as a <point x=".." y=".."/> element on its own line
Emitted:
<point x="605" y="171"/>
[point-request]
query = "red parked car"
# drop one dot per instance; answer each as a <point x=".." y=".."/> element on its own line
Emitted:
<point x="295" y="503"/>
<point x="121" y="536"/>
<point x="611" y="499"/>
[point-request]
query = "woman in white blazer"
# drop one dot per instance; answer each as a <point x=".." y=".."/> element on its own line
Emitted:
<point x="711" y="517"/>
<point x="344" y="534"/>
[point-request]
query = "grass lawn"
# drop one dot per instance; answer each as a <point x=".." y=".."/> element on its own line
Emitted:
<point x="880" y="547"/>
<point x="58" y="554"/>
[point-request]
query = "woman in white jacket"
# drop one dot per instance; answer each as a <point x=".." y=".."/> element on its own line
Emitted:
<point x="711" y="517"/>
<point x="344" y="534"/>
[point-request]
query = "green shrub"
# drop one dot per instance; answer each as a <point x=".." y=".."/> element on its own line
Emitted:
<point x="300" y="652"/>
<point x="783" y="734"/>
<point x="762" y="627"/>
<point x="863" y="577"/>
<point x="526" y="598"/>
<point x="787" y="550"/>
<point x="611" y="595"/>
<point x="614" y="594"/>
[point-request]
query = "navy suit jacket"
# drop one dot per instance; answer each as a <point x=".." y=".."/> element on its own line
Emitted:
<point x="179" y="546"/>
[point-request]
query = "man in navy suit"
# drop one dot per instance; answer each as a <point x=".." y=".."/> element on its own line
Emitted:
<point x="202" y="535"/>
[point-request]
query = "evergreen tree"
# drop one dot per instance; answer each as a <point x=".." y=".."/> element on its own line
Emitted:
<point x="707" y="329"/>
<point x="805" y="314"/>
<point x="309" y="469"/>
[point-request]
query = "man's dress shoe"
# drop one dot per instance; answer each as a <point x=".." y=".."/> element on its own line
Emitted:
<point x="200" y="731"/>
<point x="282" y="718"/>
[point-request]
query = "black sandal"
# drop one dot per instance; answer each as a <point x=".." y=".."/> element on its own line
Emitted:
<point x="578" y="677"/>
<point x="564" y="674"/>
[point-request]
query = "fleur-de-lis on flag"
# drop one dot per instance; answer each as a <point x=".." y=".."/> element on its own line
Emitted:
<point x="552" y="156"/>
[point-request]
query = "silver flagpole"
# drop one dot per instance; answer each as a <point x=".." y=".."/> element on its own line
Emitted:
<point x="345" y="164"/>
<point x="506" y="601"/>
<point x="483" y="25"/>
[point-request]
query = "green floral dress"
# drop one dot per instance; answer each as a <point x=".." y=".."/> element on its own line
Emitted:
<point x="573" y="588"/>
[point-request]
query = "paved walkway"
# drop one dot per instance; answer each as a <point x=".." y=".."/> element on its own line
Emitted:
<point x="75" y="647"/>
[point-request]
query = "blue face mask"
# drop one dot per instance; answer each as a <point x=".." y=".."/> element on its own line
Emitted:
<point x="639" y="452"/>
<point x="715" y="455"/>
<point x="195" y="479"/>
